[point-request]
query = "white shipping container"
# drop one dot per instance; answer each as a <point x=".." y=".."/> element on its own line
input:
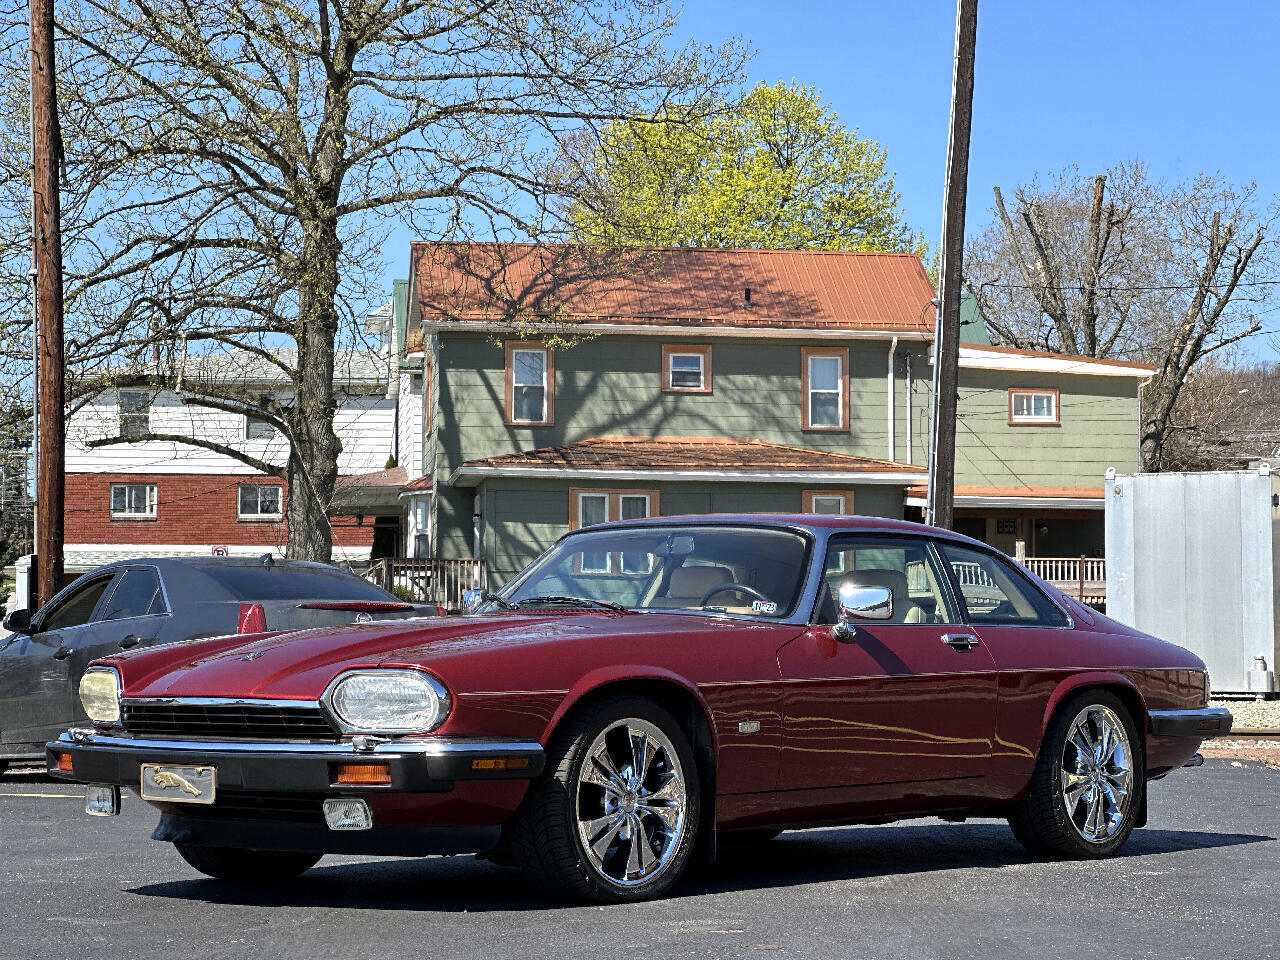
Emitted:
<point x="1192" y="558"/>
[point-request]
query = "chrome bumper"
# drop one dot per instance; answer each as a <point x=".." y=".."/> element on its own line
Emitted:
<point x="1200" y="724"/>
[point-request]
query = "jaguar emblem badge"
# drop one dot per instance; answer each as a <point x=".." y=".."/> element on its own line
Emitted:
<point x="167" y="778"/>
<point x="253" y="656"/>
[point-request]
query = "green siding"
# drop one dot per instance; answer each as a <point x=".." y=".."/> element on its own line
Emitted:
<point x="1099" y="429"/>
<point x="523" y="517"/>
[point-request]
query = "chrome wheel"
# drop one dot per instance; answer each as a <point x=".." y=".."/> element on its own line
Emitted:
<point x="631" y="802"/>
<point x="1097" y="773"/>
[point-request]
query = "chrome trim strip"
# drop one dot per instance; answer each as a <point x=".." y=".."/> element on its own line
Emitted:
<point x="430" y="748"/>
<point x="221" y="702"/>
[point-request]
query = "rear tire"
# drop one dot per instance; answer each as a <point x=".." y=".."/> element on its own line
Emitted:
<point x="246" y="866"/>
<point x="614" y="816"/>
<point x="1087" y="791"/>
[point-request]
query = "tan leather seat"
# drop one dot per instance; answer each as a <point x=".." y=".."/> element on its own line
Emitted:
<point x="690" y="584"/>
<point x="904" y="609"/>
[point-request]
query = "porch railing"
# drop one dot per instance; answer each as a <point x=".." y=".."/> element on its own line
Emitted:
<point x="429" y="580"/>
<point x="1084" y="578"/>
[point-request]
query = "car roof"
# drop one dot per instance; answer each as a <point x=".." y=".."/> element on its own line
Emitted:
<point x="811" y="521"/>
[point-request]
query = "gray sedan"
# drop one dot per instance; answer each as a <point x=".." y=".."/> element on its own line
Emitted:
<point x="160" y="600"/>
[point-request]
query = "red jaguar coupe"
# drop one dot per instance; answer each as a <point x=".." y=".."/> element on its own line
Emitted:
<point x="644" y="689"/>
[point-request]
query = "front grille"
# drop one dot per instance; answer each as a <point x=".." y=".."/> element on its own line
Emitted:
<point x="280" y="807"/>
<point x="233" y="721"/>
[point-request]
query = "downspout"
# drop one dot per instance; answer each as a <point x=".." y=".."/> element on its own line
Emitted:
<point x="893" y="426"/>
<point x="476" y="518"/>
<point x="910" y="421"/>
<point x="393" y="383"/>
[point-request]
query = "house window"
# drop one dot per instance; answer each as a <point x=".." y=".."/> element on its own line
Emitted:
<point x="600" y="506"/>
<point x="830" y="502"/>
<point x="686" y="368"/>
<point x="256" y="428"/>
<point x="133" y="501"/>
<point x="825" y="385"/>
<point x="530" y="383"/>
<point x="1033" y="407"/>
<point x="259" y="501"/>
<point x="135" y="412"/>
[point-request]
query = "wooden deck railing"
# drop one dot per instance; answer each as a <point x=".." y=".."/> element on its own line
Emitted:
<point x="1084" y="578"/>
<point x="429" y="580"/>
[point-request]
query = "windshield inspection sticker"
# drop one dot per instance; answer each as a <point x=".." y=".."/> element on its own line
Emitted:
<point x="763" y="606"/>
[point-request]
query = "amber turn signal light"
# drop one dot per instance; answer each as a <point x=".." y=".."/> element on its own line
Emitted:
<point x="64" y="762"/>
<point x="363" y="773"/>
<point x="500" y="763"/>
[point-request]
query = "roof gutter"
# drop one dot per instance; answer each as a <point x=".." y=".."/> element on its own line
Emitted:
<point x="469" y="476"/>
<point x="698" y="329"/>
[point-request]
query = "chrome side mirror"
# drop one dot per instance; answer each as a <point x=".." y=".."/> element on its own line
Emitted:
<point x="861" y="602"/>
<point x="471" y="600"/>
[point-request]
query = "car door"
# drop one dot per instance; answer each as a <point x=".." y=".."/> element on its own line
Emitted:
<point x="35" y="678"/>
<point x="133" y="613"/>
<point x="906" y="700"/>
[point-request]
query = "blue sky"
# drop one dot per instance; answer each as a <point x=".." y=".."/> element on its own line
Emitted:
<point x="1185" y="87"/>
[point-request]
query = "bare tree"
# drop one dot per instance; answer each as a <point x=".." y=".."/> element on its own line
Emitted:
<point x="1120" y="265"/>
<point x="237" y="164"/>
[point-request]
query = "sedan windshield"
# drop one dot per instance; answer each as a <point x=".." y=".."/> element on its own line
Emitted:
<point x="750" y="571"/>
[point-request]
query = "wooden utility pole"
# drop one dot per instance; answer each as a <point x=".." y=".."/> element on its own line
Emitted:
<point x="46" y="239"/>
<point x="946" y="343"/>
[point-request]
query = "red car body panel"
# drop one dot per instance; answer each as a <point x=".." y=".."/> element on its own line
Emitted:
<point x="893" y="723"/>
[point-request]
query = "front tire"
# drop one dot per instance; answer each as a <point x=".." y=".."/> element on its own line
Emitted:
<point x="246" y="866"/>
<point x="614" y="817"/>
<point x="1087" y="789"/>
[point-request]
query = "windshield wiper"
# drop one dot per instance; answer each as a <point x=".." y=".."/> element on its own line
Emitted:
<point x="504" y="603"/>
<point x="576" y="601"/>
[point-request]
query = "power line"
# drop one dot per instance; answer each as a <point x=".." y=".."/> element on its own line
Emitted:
<point x="1137" y="288"/>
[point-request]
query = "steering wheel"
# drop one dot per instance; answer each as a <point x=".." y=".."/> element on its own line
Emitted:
<point x="740" y="587"/>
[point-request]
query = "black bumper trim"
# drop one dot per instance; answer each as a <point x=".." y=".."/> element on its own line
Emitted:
<point x="418" y="766"/>
<point x="398" y="841"/>
<point x="1202" y="724"/>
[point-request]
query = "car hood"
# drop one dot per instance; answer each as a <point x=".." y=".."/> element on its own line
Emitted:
<point x="463" y="650"/>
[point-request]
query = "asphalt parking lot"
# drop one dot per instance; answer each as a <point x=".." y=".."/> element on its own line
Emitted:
<point x="1200" y="882"/>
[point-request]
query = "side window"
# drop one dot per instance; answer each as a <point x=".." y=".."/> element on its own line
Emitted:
<point x="77" y="608"/>
<point x="136" y="595"/>
<point x="994" y="593"/>
<point x="907" y="567"/>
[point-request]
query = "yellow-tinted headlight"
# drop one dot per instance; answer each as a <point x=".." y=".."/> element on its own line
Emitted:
<point x="100" y="694"/>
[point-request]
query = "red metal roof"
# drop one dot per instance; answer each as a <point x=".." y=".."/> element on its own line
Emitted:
<point x="712" y="454"/>
<point x="806" y="289"/>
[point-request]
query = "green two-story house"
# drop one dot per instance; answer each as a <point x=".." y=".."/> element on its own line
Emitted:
<point x="558" y="387"/>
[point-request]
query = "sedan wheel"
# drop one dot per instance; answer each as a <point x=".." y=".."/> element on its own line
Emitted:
<point x="1097" y="773"/>
<point x="614" y="816"/>
<point x="631" y="802"/>
<point x="1088" y="783"/>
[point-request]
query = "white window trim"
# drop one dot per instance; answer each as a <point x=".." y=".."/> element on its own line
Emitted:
<point x="702" y="371"/>
<point x="128" y="514"/>
<point x="1015" y="417"/>
<point x="829" y="496"/>
<point x="839" y="392"/>
<point x="121" y="414"/>
<point x="515" y="353"/>
<point x="260" y="517"/>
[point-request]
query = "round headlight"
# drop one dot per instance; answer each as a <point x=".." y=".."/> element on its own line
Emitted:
<point x="389" y="701"/>
<point x="100" y="694"/>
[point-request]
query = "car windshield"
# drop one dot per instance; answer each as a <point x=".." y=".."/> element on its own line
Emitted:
<point x="750" y="571"/>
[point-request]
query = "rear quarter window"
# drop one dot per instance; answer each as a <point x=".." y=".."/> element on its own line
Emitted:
<point x="267" y="583"/>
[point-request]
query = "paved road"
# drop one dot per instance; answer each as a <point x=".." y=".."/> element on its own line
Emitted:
<point x="1200" y="882"/>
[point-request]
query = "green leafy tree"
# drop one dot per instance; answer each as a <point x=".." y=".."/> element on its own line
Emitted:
<point x="776" y="170"/>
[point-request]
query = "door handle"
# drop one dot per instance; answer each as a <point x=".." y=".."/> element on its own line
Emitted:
<point x="62" y="653"/>
<point x="130" y="641"/>
<point x="960" y="641"/>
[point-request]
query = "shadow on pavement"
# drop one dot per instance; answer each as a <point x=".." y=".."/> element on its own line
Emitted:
<point x="458" y="884"/>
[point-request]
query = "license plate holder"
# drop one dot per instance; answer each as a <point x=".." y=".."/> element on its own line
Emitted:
<point x="178" y="783"/>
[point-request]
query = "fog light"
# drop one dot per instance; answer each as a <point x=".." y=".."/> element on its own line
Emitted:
<point x="101" y="801"/>
<point x="347" y="814"/>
